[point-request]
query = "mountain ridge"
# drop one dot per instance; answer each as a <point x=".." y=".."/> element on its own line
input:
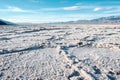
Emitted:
<point x="4" y="22"/>
<point x="109" y="20"/>
<point x="102" y="20"/>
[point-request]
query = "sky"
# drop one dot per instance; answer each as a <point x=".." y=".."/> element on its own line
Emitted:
<point x="44" y="11"/>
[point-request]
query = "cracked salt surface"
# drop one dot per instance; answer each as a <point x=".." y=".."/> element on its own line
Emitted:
<point x="60" y="52"/>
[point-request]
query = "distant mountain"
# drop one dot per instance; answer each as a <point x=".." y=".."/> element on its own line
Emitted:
<point x="3" y="22"/>
<point x="102" y="20"/>
<point x="109" y="20"/>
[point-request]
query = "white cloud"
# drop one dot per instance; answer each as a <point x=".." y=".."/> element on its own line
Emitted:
<point x="71" y="8"/>
<point x="15" y="9"/>
<point x="61" y="8"/>
<point x="97" y="9"/>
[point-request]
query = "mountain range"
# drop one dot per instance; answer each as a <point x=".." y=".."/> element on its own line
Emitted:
<point x="102" y="20"/>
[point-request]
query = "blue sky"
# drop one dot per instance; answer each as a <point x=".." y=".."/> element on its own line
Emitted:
<point x="39" y="11"/>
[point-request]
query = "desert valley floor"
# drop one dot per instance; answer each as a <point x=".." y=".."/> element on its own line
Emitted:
<point x="60" y="52"/>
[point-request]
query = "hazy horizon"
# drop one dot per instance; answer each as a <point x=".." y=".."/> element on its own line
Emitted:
<point x="45" y="11"/>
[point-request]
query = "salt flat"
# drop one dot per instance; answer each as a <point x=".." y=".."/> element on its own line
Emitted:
<point x="60" y="52"/>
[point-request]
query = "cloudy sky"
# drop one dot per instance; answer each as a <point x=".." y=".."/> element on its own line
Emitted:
<point x="39" y="11"/>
